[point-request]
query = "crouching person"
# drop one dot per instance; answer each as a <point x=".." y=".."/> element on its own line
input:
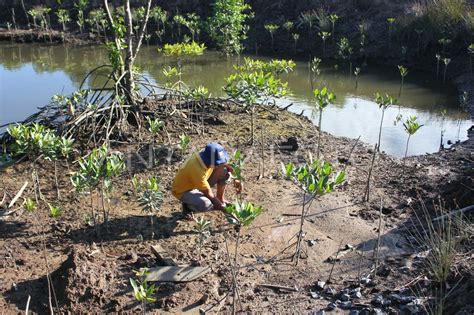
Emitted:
<point x="193" y="181"/>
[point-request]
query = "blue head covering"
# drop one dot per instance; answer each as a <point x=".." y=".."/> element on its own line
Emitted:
<point x="214" y="155"/>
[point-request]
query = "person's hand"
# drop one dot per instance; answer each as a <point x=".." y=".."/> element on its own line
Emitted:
<point x="238" y="186"/>
<point x="218" y="205"/>
<point x="229" y="168"/>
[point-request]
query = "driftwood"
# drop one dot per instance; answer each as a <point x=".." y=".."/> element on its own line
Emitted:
<point x="18" y="195"/>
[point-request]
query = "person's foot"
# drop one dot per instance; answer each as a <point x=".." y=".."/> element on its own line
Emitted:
<point x="187" y="213"/>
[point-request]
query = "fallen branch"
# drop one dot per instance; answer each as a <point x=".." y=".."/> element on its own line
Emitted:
<point x="453" y="213"/>
<point x="278" y="287"/>
<point x="19" y="193"/>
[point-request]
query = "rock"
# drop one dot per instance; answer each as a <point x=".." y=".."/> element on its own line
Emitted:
<point x="320" y="285"/>
<point x="357" y="295"/>
<point x="321" y="312"/>
<point x="290" y="145"/>
<point x="314" y="295"/>
<point x="377" y="300"/>
<point x="345" y="305"/>
<point x="311" y="242"/>
<point x="345" y="297"/>
<point x="331" y="306"/>
<point x="330" y="291"/>
<point x="349" y="246"/>
<point x="378" y="311"/>
<point x="401" y="299"/>
<point x="354" y="312"/>
<point x="365" y="281"/>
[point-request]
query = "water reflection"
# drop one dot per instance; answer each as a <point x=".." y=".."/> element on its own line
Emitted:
<point x="30" y="74"/>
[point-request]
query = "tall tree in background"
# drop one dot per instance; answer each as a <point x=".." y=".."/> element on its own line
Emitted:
<point x="227" y="25"/>
<point x="124" y="44"/>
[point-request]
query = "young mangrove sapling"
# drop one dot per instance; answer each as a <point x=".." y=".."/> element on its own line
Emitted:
<point x="271" y="28"/>
<point x="446" y="62"/>
<point x="150" y="198"/>
<point x="411" y="126"/>
<point x="142" y="290"/>
<point x="323" y="99"/>
<point x="384" y="102"/>
<point x="315" y="179"/>
<point x="403" y="73"/>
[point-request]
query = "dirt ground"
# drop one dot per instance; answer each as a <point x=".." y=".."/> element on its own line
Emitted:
<point x="91" y="274"/>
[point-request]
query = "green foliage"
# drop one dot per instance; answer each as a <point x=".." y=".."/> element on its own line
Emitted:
<point x="154" y="125"/>
<point x="158" y="15"/>
<point x="63" y="17"/>
<point x="184" y="141"/>
<point x="288" y="26"/>
<point x="228" y="26"/>
<point x="150" y="196"/>
<point x="198" y="93"/>
<point x="98" y="166"/>
<point x="345" y="49"/>
<point x="324" y="35"/>
<point x="114" y="49"/>
<point x="385" y="101"/>
<point x="403" y="71"/>
<point x="37" y="139"/>
<point x="96" y="18"/>
<point x="247" y="88"/>
<point x="314" y="177"/>
<point x="323" y="97"/>
<point x="142" y="291"/>
<point x="411" y="125"/>
<point x="30" y="205"/>
<point x="242" y="213"/>
<point x="183" y="49"/>
<point x="315" y="63"/>
<point x="470" y="49"/>
<point x="54" y="211"/>
<point x="271" y="28"/>
<point x="237" y="163"/>
<point x="275" y="66"/>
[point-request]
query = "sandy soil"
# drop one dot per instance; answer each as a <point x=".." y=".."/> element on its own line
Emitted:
<point x="91" y="274"/>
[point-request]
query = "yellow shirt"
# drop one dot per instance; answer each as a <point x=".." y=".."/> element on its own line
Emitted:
<point x="193" y="174"/>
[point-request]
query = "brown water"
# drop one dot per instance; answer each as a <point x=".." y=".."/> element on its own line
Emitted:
<point x="31" y="74"/>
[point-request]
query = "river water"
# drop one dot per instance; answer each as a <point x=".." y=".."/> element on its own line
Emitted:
<point x="30" y="74"/>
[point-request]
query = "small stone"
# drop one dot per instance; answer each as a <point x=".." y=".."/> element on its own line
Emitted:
<point x="345" y="297"/>
<point x="357" y="295"/>
<point x="314" y="295"/>
<point x="330" y="291"/>
<point x="345" y="305"/>
<point x="354" y="312"/>
<point x="311" y="242"/>
<point x="365" y="281"/>
<point x="321" y="312"/>
<point x="349" y="246"/>
<point x="331" y="306"/>
<point x="377" y="300"/>
<point x="378" y="311"/>
<point x="320" y="285"/>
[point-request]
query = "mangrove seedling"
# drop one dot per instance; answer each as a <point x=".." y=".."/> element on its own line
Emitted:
<point x="180" y="50"/>
<point x="470" y="50"/>
<point x="411" y="126"/>
<point x="80" y="6"/>
<point x="446" y="62"/>
<point x="154" y="127"/>
<point x="345" y="51"/>
<point x="202" y="228"/>
<point x="160" y="17"/>
<point x="150" y="198"/>
<point x="30" y="205"/>
<point x="391" y="23"/>
<point x="184" y="141"/>
<point x="333" y="18"/>
<point x="95" y="19"/>
<point x="418" y="34"/>
<point x="295" y="36"/>
<point x="438" y="59"/>
<point x="275" y="66"/>
<point x="96" y="172"/>
<point x="197" y="96"/>
<point x="63" y="18"/>
<point x="315" y="70"/>
<point x="323" y="99"/>
<point x="403" y="73"/>
<point x="315" y="179"/>
<point x="142" y="290"/>
<point x="384" y="102"/>
<point x="324" y="36"/>
<point x="271" y="28"/>
<point x="288" y="26"/>
<point x="444" y="42"/>
<point x="54" y="211"/>
<point x="248" y="88"/>
<point x="356" y="74"/>
<point x="443" y="117"/>
<point x="239" y="214"/>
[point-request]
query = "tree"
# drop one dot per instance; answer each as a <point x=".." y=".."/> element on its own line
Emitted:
<point x="96" y="16"/>
<point x="227" y="25"/>
<point x="124" y="44"/>
<point x="80" y="6"/>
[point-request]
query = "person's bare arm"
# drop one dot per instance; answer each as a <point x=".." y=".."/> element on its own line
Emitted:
<point x="215" y="201"/>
